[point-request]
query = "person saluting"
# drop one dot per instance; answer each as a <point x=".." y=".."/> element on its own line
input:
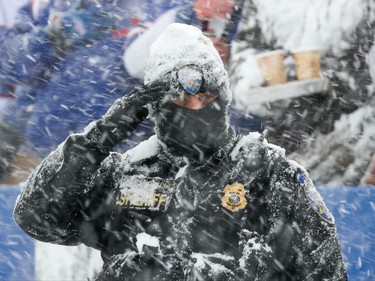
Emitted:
<point x="193" y="202"/>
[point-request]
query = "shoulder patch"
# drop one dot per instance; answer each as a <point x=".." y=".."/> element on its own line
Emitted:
<point x="301" y="179"/>
<point x="313" y="197"/>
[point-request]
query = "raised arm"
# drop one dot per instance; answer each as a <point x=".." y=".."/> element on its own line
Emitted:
<point x="58" y="198"/>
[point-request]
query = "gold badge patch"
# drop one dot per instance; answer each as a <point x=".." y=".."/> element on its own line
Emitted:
<point x="234" y="197"/>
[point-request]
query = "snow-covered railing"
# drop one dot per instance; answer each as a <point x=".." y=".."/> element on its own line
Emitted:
<point x="288" y="90"/>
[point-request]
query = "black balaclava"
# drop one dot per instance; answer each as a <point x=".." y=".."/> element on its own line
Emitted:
<point x="195" y="134"/>
<point x="188" y="133"/>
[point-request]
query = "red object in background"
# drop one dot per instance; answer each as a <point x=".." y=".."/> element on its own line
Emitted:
<point x="222" y="48"/>
<point x="134" y="21"/>
<point x="122" y="32"/>
<point x="206" y="9"/>
<point x="8" y="90"/>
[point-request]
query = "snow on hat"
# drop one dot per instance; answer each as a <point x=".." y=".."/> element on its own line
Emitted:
<point x="180" y="45"/>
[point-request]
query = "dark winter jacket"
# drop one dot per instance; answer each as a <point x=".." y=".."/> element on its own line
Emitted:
<point x="246" y="214"/>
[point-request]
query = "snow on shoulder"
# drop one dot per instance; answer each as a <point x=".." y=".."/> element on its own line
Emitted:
<point x="182" y="45"/>
<point x="142" y="151"/>
<point x="251" y="138"/>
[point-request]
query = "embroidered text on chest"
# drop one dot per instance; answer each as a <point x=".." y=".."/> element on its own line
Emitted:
<point x="145" y="193"/>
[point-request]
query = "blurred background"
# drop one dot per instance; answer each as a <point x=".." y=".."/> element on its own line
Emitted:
<point x="301" y="69"/>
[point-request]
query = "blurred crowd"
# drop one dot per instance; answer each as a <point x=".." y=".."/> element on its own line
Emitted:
<point x="63" y="63"/>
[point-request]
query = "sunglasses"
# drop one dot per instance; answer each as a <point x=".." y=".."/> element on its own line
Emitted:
<point x="189" y="80"/>
<point x="192" y="91"/>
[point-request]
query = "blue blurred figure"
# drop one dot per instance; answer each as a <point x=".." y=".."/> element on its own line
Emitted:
<point x="67" y="60"/>
<point x="49" y="45"/>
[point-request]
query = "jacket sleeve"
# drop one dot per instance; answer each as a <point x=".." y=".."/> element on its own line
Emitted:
<point x="61" y="202"/>
<point x="65" y="200"/>
<point x="297" y="238"/>
<point x="319" y="252"/>
<point x="304" y="225"/>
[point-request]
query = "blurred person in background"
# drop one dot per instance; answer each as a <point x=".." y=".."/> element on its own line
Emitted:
<point x="328" y="133"/>
<point x="46" y="37"/>
<point x="8" y="11"/>
<point x="74" y="60"/>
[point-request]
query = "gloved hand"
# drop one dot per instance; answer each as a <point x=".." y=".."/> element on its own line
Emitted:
<point x="121" y="118"/>
<point x="126" y="113"/>
<point x="79" y="27"/>
<point x="84" y="152"/>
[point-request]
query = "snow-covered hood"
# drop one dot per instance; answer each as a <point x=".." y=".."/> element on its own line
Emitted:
<point x="182" y="45"/>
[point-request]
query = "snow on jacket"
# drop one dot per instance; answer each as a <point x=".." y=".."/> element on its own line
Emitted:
<point x="252" y="215"/>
